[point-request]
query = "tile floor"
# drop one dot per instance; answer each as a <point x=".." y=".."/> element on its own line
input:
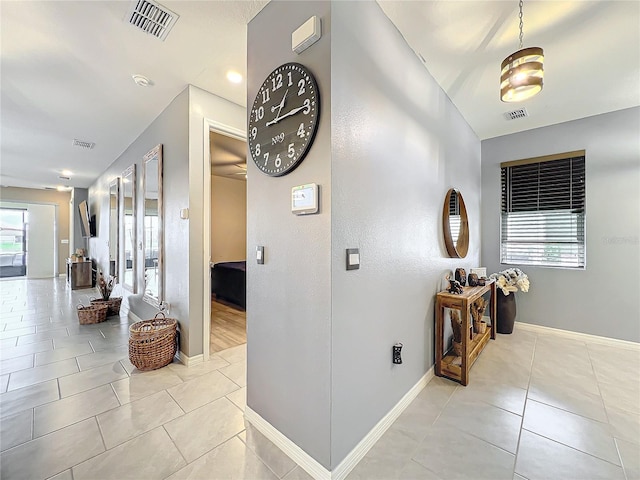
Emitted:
<point x="73" y="407"/>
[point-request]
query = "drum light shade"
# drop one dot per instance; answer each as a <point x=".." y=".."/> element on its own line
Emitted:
<point x="522" y="74"/>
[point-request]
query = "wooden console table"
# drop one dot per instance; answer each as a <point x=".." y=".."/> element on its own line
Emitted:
<point x="471" y="347"/>
<point x="79" y="274"/>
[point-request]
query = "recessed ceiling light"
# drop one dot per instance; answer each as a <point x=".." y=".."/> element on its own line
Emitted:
<point x="234" y="77"/>
<point x="67" y="173"/>
<point x="141" y="80"/>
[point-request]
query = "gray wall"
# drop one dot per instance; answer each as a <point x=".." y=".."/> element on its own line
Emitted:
<point x="170" y="129"/>
<point x="289" y="297"/>
<point x="180" y="129"/>
<point x="601" y="300"/>
<point x="389" y="146"/>
<point x="398" y="145"/>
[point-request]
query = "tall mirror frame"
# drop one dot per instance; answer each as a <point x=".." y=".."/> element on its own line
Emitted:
<point x="128" y="227"/>
<point x="114" y="230"/>
<point x="153" y="227"/>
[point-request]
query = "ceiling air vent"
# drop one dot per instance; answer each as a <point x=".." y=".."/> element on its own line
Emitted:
<point x="151" y="18"/>
<point x="515" y="114"/>
<point x="81" y="144"/>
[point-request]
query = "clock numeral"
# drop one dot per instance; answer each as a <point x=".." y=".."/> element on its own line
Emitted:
<point x="266" y="158"/>
<point x="301" y="90"/>
<point x="265" y="96"/>
<point x="277" y="82"/>
<point x="257" y="149"/>
<point x="291" y="151"/>
<point x="254" y="132"/>
<point x="259" y="113"/>
<point x="278" y="161"/>
<point x="301" y="131"/>
<point x="290" y="81"/>
<point x="307" y="106"/>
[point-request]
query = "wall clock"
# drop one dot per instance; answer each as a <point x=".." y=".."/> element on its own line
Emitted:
<point x="284" y="119"/>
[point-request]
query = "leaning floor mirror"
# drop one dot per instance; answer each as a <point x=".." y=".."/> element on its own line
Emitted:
<point x="153" y="220"/>
<point x="128" y="250"/>
<point x="114" y="212"/>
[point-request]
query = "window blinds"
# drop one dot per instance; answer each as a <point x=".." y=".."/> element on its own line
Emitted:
<point x="543" y="212"/>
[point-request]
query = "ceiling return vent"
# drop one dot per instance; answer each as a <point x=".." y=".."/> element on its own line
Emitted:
<point x="151" y="18"/>
<point x="515" y="114"/>
<point x="82" y="144"/>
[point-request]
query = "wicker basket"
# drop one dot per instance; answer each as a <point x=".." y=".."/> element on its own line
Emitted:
<point x="112" y="303"/>
<point x="152" y="343"/>
<point x="92" y="314"/>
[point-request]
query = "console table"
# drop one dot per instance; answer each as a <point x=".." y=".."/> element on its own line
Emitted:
<point x="449" y="364"/>
<point x="79" y="274"/>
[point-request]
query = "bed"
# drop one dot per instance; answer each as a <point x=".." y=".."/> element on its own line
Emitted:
<point x="229" y="282"/>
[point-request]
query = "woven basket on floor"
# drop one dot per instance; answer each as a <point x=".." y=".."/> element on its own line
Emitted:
<point x="92" y="314"/>
<point x="113" y="305"/>
<point x="152" y="343"/>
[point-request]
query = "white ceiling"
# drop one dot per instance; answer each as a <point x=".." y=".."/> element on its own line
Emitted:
<point x="66" y="69"/>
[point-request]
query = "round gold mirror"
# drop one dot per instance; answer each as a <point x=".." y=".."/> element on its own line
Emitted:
<point x="455" y="224"/>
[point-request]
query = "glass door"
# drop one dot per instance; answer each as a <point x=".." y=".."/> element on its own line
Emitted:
<point x="13" y="242"/>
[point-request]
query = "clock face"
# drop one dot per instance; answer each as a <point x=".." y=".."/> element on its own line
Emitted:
<point x="283" y="119"/>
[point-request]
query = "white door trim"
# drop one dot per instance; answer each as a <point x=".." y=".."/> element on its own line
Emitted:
<point x="229" y="131"/>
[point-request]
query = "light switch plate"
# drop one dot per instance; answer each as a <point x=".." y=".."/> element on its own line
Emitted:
<point x="353" y="258"/>
<point x="260" y="254"/>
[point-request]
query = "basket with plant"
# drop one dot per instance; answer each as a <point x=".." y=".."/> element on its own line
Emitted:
<point x="106" y="287"/>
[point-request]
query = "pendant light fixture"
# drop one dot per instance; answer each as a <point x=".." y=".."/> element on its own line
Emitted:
<point x="522" y="72"/>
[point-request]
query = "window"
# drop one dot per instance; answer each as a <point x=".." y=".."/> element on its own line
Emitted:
<point x="543" y="211"/>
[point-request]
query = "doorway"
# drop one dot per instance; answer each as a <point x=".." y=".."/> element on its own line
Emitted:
<point x="13" y="242"/>
<point x="228" y="233"/>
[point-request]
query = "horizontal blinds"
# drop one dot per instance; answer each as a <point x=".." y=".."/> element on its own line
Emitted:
<point x="543" y="213"/>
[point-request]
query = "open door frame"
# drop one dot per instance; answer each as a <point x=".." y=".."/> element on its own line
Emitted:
<point x="217" y="127"/>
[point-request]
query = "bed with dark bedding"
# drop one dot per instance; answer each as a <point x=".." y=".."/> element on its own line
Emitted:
<point x="229" y="282"/>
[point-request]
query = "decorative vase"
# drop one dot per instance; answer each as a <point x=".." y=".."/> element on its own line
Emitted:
<point x="506" y="311"/>
<point x="461" y="276"/>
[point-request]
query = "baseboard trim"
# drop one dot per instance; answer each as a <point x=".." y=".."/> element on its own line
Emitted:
<point x="360" y="450"/>
<point x="189" y="361"/>
<point x="302" y="458"/>
<point x="309" y="464"/>
<point x="613" y="342"/>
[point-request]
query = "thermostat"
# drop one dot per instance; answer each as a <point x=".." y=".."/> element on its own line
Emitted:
<point x="304" y="199"/>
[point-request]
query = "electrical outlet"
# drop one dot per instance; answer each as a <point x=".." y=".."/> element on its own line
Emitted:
<point x="397" y="353"/>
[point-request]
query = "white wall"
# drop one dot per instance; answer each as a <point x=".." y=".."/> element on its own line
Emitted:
<point x="603" y="299"/>
<point x="228" y="219"/>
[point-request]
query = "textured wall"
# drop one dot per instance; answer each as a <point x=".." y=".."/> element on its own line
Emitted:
<point x="398" y="145"/>
<point x="289" y="297"/>
<point x="601" y="300"/>
<point x="170" y="129"/>
<point x="228" y="219"/>
<point x="390" y="145"/>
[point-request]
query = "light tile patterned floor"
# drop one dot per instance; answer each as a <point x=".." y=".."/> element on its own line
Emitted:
<point x="73" y="407"/>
